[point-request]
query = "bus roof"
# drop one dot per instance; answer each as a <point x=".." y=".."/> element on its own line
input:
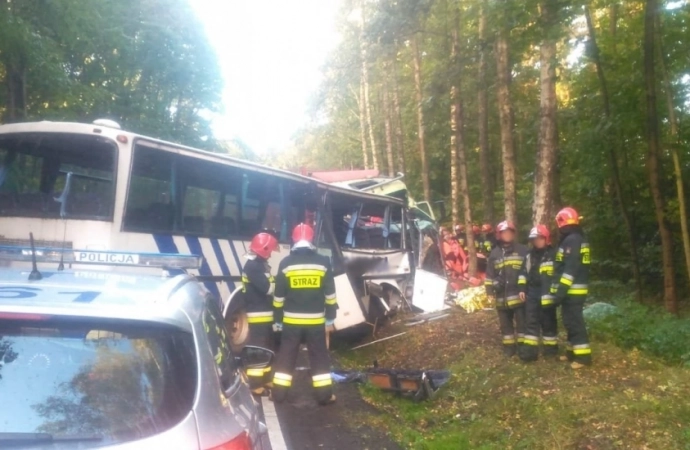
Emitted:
<point x="113" y="133"/>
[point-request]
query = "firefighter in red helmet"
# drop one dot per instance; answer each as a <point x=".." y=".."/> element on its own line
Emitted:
<point x="489" y="239"/>
<point x="305" y="304"/>
<point x="501" y="282"/>
<point x="257" y="287"/>
<point x="570" y="285"/>
<point x="535" y="289"/>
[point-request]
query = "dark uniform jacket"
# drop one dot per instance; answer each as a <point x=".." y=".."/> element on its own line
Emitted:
<point x="571" y="266"/>
<point x="305" y="289"/>
<point x="536" y="274"/>
<point x="502" y="272"/>
<point x="257" y="287"/>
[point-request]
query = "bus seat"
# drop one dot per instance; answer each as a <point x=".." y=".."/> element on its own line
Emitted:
<point x="160" y="217"/>
<point x="31" y="202"/>
<point x="223" y="226"/>
<point x="7" y="204"/>
<point x="194" y="224"/>
<point x="85" y="204"/>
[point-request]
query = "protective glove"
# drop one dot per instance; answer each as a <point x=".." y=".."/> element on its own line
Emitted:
<point x="277" y="327"/>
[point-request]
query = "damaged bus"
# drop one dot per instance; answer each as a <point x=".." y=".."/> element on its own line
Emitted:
<point x="97" y="187"/>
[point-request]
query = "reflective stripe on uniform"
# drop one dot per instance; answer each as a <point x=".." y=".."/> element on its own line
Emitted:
<point x="546" y="300"/>
<point x="508" y="340"/>
<point x="322" y="380"/>
<point x="521" y="338"/>
<point x="282" y="379"/>
<point x="331" y="299"/>
<point x="578" y="289"/>
<point x="306" y="267"/>
<point x="257" y="372"/>
<point x="566" y="279"/>
<point x="512" y="300"/>
<point x="488" y="282"/>
<point x="549" y="340"/>
<point x="559" y="255"/>
<point x="260" y="317"/>
<point x="582" y="349"/>
<point x="522" y="279"/>
<point x="304" y="318"/>
<point x="546" y="268"/>
<point x="278" y="302"/>
<point x="530" y="340"/>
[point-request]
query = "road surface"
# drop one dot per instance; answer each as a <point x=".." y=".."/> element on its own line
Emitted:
<point x="301" y="424"/>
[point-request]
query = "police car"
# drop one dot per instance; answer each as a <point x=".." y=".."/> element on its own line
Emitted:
<point x="118" y="359"/>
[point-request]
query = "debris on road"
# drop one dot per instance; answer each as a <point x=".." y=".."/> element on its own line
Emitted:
<point x="378" y="340"/>
<point x="424" y="318"/>
<point x="415" y="384"/>
<point x="473" y="299"/>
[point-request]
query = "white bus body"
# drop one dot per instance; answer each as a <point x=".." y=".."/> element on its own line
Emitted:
<point x="95" y="187"/>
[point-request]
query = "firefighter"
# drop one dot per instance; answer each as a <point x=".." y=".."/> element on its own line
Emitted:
<point x="501" y="282"/>
<point x="535" y="289"/>
<point x="305" y="304"/>
<point x="460" y="236"/>
<point x="489" y="239"/>
<point x="571" y="275"/>
<point x="257" y="287"/>
<point x="476" y="232"/>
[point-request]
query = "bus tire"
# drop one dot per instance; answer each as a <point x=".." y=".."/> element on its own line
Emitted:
<point x="236" y="321"/>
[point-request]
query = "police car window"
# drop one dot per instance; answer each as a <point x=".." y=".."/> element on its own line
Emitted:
<point x="218" y="343"/>
<point x="116" y="380"/>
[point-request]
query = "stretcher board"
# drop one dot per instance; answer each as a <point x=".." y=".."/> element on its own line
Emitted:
<point x="429" y="292"/>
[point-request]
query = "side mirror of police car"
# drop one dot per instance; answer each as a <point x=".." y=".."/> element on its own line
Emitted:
<point x="253" y="357"/>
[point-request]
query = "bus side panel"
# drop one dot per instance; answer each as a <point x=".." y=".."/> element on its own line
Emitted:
<point x="349" y="311"/>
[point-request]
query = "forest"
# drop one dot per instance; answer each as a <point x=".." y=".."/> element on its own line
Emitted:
<point x="513" y="109"/>
<point x="146" y="64"/>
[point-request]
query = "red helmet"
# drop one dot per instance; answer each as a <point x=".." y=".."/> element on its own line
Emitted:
<point x="263" y="244"/>
<point x="540" y="231"/>
<point x="567" y="216"/>
<point x="476" y="229"/>
<point x="303" y="232"/>
<point x="486" y="228"/>
<point x="504" y="226"/>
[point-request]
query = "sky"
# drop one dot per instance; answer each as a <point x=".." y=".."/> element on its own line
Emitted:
<point x="271" y="53"/>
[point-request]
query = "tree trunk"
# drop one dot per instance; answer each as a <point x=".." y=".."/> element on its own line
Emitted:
<point x="363" y="124"/>
<point x="487" y="176"/>
<point x="365" y="83"/>
<point x="420" y="118"/>
<point x="505" y="110"/>
<point x="675" y="143"/>
<point x="612" y="143"/>
<point x="390" y="159"/>
<point x="397" y="119"/>
<point x="654" y="158"/>
<point x="543" y="205"/>
<point x="458" y="154"/>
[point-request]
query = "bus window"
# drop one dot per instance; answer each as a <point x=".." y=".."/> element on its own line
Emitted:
<point x="150" y="200"/>
<point x="34" y="168"/>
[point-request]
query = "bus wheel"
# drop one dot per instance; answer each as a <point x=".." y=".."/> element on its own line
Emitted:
<point x="238" y="326"/>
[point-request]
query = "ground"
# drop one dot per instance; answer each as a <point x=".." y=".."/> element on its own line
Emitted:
<point x="627" y="400"/>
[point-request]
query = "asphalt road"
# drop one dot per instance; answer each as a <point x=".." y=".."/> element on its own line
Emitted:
<point x="305" y="425"/>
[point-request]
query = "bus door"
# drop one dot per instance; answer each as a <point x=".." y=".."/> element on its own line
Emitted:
<point x="430" y="283"/>
<point x="351" y="309"/>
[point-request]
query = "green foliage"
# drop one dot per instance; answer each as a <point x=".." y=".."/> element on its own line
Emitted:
<point x="647" y="328"/>
<point x="146" y="64"/>
<point x="585" y="133"/>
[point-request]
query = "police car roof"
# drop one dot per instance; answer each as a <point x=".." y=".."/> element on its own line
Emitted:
<point x="97" y="294"/>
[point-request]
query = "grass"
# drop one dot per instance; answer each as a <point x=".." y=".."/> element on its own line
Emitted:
<point x="627" y="400"/>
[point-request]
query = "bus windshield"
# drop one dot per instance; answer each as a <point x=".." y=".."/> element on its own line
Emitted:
<point x="53" y="175"/>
